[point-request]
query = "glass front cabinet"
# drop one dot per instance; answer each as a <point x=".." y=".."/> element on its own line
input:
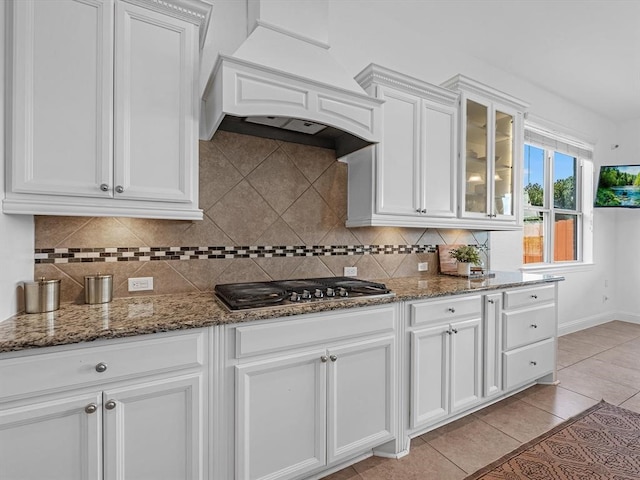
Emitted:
<point x="490" y="153"/>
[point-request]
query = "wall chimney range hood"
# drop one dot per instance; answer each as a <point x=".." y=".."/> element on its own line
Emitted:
<point x="283" y="84"/>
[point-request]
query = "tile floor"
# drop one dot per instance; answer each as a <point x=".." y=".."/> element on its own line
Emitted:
<point x="601" y="362"/>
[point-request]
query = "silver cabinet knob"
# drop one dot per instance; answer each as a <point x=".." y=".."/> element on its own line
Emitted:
<point x="91" y="408"/>
<point x="110" y="405"/>
<point x="451" y="309"/>
<point x="333" y="358"/>
<point x="424" y="210"/>
<point x="533" y="325"/>
<point x="454" y="330"/>
<point x="534" y="296"/>
<point x="491" y="301"/>
<point x="324" y="359"/>
<point x="448" y="332"/>
<point x="533" y="363"/>
<point x="101" y="367"/>
<point x="119" y="189"/>
<point x="104" y="187"/>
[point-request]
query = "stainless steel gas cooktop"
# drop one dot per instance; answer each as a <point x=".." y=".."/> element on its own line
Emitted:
<point x="243" y="296"/>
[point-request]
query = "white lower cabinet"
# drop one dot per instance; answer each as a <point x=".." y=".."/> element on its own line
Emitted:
<point x="446" y="370"/>
<point x="492" y="317"/>
<point x="150" y="427"/>
<point x="302" y="409"/>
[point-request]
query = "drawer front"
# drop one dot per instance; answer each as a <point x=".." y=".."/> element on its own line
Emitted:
<point x="529" y="296"/>
<point x="528" y="363"/>
<point x="523" y="327"/>
<point x="297" y="332"/>
<point x="451" y="308"/>
<point x="77" y="367"/>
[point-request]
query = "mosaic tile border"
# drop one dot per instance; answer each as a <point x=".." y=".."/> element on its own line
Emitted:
<point x="146" y="254"/>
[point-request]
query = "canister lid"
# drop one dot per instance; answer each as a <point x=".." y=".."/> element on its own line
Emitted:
<point x="43" y="281"/>
<point x="98" y="276"/>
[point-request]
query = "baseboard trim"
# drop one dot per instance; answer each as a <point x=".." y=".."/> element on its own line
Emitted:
<point x="592" y="321"/>
<point x="627" y="317"/>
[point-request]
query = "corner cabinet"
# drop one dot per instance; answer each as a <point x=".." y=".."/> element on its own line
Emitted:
<point x="491" y="149"/>
<point x="409" y="178"/>
<point x="103" y="108"/>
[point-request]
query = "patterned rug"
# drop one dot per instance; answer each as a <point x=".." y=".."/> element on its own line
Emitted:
<point x="601" y="443"/>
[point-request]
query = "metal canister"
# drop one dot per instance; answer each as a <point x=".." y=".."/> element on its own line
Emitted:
<point x="42" y="296"/>
<point x="98" y="288"/>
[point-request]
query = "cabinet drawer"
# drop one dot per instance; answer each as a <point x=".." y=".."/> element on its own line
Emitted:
<point x="293" y="333"/>
<point x="77" y="367"/>
<point x="529" y="296"/>
<point x="528" y="363"/>
<point x="450" y="308"/>
<point x="522" y="327"/>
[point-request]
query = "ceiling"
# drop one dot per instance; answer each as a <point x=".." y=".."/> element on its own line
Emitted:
<point x="587" y="51"/>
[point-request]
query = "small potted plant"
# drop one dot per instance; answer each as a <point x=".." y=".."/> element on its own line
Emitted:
<point x="465" y="256"/>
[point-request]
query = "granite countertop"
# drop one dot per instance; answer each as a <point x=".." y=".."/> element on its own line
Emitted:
<point x="125" y="317"/>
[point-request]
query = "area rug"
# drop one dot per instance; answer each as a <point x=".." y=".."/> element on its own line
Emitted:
<point x="601" y="443"/>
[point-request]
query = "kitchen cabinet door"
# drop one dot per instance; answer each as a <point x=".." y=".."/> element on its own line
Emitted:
<point x="52" y="439"/>
<point x="281" y="416"/>
<point x="154" y="430"/>
<point x="361" y="399"/>
<point x="429" y="374"/>
<point x="61" y="84"/>
<point x="156" y="107"/>
<point x="466" y="363"/>
<point x="492" y="344"/>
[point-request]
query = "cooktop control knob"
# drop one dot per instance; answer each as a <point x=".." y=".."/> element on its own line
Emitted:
<point x="318" y="293"/>
<point x="295" y="297"/>
<point x="330" y="292"/>
<point x="306" y="294"/>
<point x="343" y="292"/>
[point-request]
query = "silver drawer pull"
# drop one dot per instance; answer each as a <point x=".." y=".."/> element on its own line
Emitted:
<point x="91" y="408"/>
<point x="491" y="301"/>
<point x="534" y="296"/>
<point x="533" y="325"/>
<point x="324" y="359"/>
<point x="110" y="405"/>
<point x="101" y="367"/>
<point x="451" y="309"/>
<point x="533" y="363"/>
<point x="333" y="358"/>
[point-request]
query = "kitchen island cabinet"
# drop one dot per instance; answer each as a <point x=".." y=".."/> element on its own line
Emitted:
<point x="104" y="108"/>
<point x="139" y="412"/>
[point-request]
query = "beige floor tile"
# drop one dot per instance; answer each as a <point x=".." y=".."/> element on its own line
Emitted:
<point x="608" y="371"/>
<point x="566" y="357"/>
<point x="596" y="388"/>
<point x="578" y="347"/>
<point x="519" y="420"/>
<point x="625" y="355"/>
<point x="632" y="329"/>
<point x="448" y="428"/>
<point x="633" y="403"/>
<point x="348" y="473"/>
<point x="608" y="338"/>
<point x="557" y="400"/>
<point x="423" y="463"/>
<point x="474" y="445"/>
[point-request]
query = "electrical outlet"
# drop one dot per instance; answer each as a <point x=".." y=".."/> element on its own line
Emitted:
<point x="350" y="271"/>
<point x="140" y="284"/>
<point x="423" y="267"/>
<point x="604" y="298"/>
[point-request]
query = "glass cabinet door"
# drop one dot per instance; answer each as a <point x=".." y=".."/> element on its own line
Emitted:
<point x="476" y="158"/>
<point x="503" y="165"/>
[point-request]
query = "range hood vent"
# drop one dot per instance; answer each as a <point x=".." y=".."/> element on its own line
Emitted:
<point x="279" y="84"/>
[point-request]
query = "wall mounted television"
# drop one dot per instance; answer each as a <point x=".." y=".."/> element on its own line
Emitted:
<point x="618" y="186"/>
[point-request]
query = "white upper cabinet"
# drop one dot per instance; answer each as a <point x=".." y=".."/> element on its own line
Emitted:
<point x="103" y="108"/>
<point x="491" y="145"/>
<point x="409" y="178"/>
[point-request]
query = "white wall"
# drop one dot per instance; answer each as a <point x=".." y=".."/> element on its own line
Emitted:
<point x="16" y="231"/>
<point x="627" y="228"/>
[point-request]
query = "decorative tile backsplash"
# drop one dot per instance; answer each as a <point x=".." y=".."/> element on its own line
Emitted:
<point x="272" y="210"/>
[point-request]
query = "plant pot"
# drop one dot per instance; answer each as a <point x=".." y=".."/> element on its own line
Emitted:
<point x="464" y="268"/>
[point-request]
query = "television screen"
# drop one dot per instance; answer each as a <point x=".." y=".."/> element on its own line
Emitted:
<point x="618" y="186"/>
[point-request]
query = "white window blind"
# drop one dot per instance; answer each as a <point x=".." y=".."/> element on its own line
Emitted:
<point x="552" y="140"/>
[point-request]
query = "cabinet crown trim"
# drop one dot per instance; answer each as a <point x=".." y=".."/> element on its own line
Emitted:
<point x="384" y="76"/>
<point x="197" y="12"/>
<point x="466" y="84"/>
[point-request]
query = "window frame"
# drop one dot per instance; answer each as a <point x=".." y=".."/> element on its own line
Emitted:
<point x="583" y="200"/>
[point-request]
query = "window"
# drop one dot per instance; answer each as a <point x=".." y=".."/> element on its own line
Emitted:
<point x="557" y="181"/>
